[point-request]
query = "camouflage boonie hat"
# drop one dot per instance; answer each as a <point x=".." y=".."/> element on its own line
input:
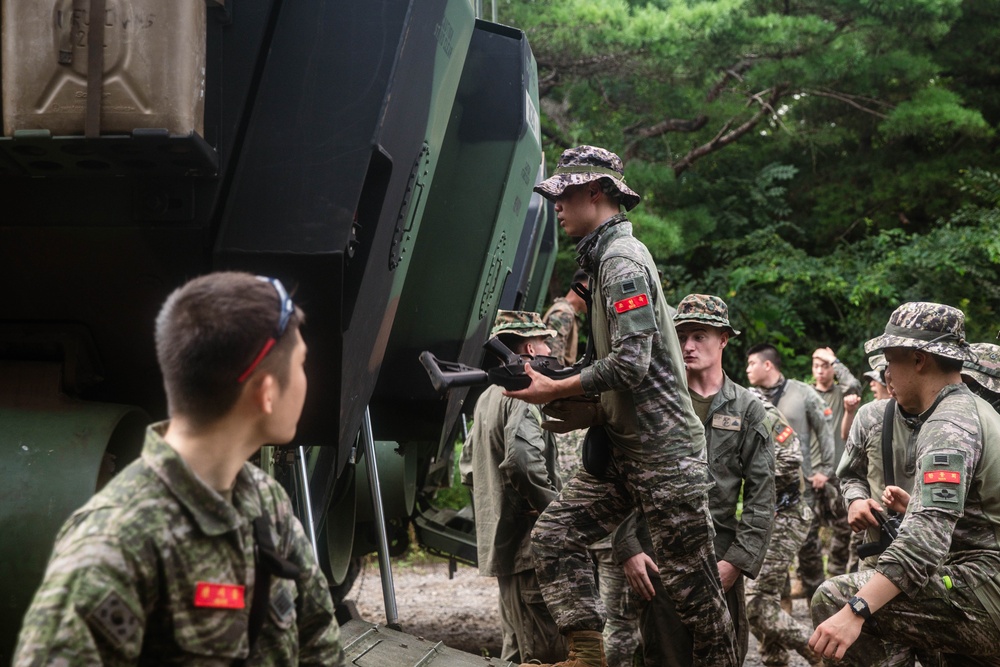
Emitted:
<point x="520" y="323"/>
<point x="932" y="327"/>
<point x="584" y="164"/>
<point x="704" y="309"/>
<point x="985" y="368"/>
<point x="878" y="368"/>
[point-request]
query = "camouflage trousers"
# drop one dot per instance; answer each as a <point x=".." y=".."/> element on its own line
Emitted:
<point x="828" y="510"/>
<point x="775" y="630"/>
<point x="672" y="494"/>
<point x="665" y="640"/>
<point x="529" y="633"/>
<point x="951" y="621"/>
<point x="621" y="631"/>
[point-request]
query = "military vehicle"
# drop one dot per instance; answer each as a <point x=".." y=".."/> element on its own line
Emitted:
<point x="377" y="155"/>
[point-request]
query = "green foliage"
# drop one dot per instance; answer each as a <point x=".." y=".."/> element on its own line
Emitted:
<point x="455" y="496"/>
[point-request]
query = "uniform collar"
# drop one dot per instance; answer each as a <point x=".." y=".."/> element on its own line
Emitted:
<point x="213" y="514"/>
<point x="591" y="247"/>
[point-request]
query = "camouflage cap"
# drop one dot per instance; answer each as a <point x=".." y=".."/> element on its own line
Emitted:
<point x="704" y="309"/>
<point x="520" y="323"/>
<point x="878" y="365"/>
<point x="932" y="327"/>
<point x="985" y="367"/>
<point x="584" y="164"/>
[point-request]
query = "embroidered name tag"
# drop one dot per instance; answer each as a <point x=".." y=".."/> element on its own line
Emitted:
<point x="219" y="596"/>
<point x="946" y="476"/>
<point x="631" y="303"/>
<point x="726" y="422"/>
<point x="784" y="435"/>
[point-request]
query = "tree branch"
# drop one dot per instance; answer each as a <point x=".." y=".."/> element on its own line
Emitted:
<point x="726" y="136"/>
<point x="849" y="99"/>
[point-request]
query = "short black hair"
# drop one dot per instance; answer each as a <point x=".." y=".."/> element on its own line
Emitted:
<point x="768" y="352"/>
<point x="209" y="331"/>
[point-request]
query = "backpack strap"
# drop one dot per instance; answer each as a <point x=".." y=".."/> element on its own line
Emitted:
<point x="887" y="421"/>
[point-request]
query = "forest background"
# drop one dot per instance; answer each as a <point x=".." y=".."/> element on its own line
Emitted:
<point x="814" y="163"/>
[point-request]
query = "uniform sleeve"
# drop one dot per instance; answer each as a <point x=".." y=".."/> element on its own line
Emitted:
<point x="524" y="464"/>
<point x="625" y="541"/>
<point x="948" y="456"/>
<point x="632" y="325"/>
<point x="753" y="532"/>
<point x="87" y="610"/>
<point x="561" y="321"/>
<point x="846" y="379"/>
<point x="822" y="432"/>
<point x="319" y="634"/>
<point x="853" y="468"/>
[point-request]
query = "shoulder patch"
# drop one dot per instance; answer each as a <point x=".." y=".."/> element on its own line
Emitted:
<point x="632" y="306"/>
<point x="943" y="481"/>
<point x="114" y="620"/>
<point x="785" y="433"/>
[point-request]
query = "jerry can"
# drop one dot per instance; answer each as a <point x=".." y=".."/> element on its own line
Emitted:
<point x="153" y="73"/>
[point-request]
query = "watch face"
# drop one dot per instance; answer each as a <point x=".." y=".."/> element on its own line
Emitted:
<point x="858" y="605"/>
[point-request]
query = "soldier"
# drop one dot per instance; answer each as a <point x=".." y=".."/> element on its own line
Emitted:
<point x="775" y="629"/>
<point x="191" y="555"/>
<point x="805" y="410"/>
<point x="841" y="392"/>
<point x="564" y="315"/>
<point x="947" y="554"/>
<point x="513" y="480"/>
<point x="982" y="373"/>
<point x="654" y="441"/>
<point x="876" y="378"/>
<point x="741" y="457"/>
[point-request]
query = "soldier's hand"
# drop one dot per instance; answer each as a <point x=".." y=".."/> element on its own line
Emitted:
<point x="571" y="414"/>
<point x="818" y="480"/>
<point x="860" y="516"/>
<point x="836" y="634"/>
<point x="896" y="499"/>
<point x="729" y="573"/>
<point x="851" y="403"/>
<point x="637" y="573"/>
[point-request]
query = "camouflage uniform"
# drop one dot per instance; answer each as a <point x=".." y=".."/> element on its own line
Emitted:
<point x="513" y="479"/>
<point x="775" y="630"/>
<point x="621" y="630"/>
<point x="984" y="371"/>
<point x="805" y="410"/>
<point x="741" y="457"/>
<point x="658" y="445"/>
<point x="861" y="470"/>
<point x="947" y="555"/>
<point x="562" y="317"/>
<point x="836" y="518"/>
<point x="131" y="567"/>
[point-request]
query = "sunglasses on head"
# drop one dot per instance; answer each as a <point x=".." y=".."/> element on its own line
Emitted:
<point x="285" y="310"/>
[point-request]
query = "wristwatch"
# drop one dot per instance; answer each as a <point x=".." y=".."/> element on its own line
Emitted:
<point x="860" y="607"/>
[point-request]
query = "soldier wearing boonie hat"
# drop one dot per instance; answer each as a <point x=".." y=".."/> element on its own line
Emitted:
<point x="584" y="164"/>
<point x="876" y="377"/>
<point x="947" y="552"/>
<point x="511" y="463"/>
<point x="741" y="458"/>
<point x="984" y="372"/>
<point x="656" y="441"/>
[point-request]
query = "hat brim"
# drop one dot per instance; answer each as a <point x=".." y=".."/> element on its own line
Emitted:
<point x="874" y="375"/>
<point x="525" y="333"/>
<point x="709" y="323"/>
<point x="554" y="186"/>
<point x="988" y="381"/>
<point x="941" y="349"/>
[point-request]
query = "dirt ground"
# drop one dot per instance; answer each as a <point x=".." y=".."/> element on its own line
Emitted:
<point x="461" y="611"/>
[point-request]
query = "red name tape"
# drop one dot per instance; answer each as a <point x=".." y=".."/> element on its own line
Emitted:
<point x="631" y="303"/>
<point x="946" y="476"/>
<point x="219" y="596"/>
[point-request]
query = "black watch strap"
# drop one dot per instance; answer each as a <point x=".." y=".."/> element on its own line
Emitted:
<point x="860" y="607"/>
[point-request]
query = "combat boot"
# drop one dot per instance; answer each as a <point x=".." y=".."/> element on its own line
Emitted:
<point x="586" y="649"/>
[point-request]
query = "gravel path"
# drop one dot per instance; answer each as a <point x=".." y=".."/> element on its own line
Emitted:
<point x="462" y="611"/>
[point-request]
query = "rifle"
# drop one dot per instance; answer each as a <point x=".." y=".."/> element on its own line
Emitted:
<point x="889" y="526"/>
<point x="509" y="374"/>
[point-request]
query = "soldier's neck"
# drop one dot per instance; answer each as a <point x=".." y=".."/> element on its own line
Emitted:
<point x="707" y="382"/>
